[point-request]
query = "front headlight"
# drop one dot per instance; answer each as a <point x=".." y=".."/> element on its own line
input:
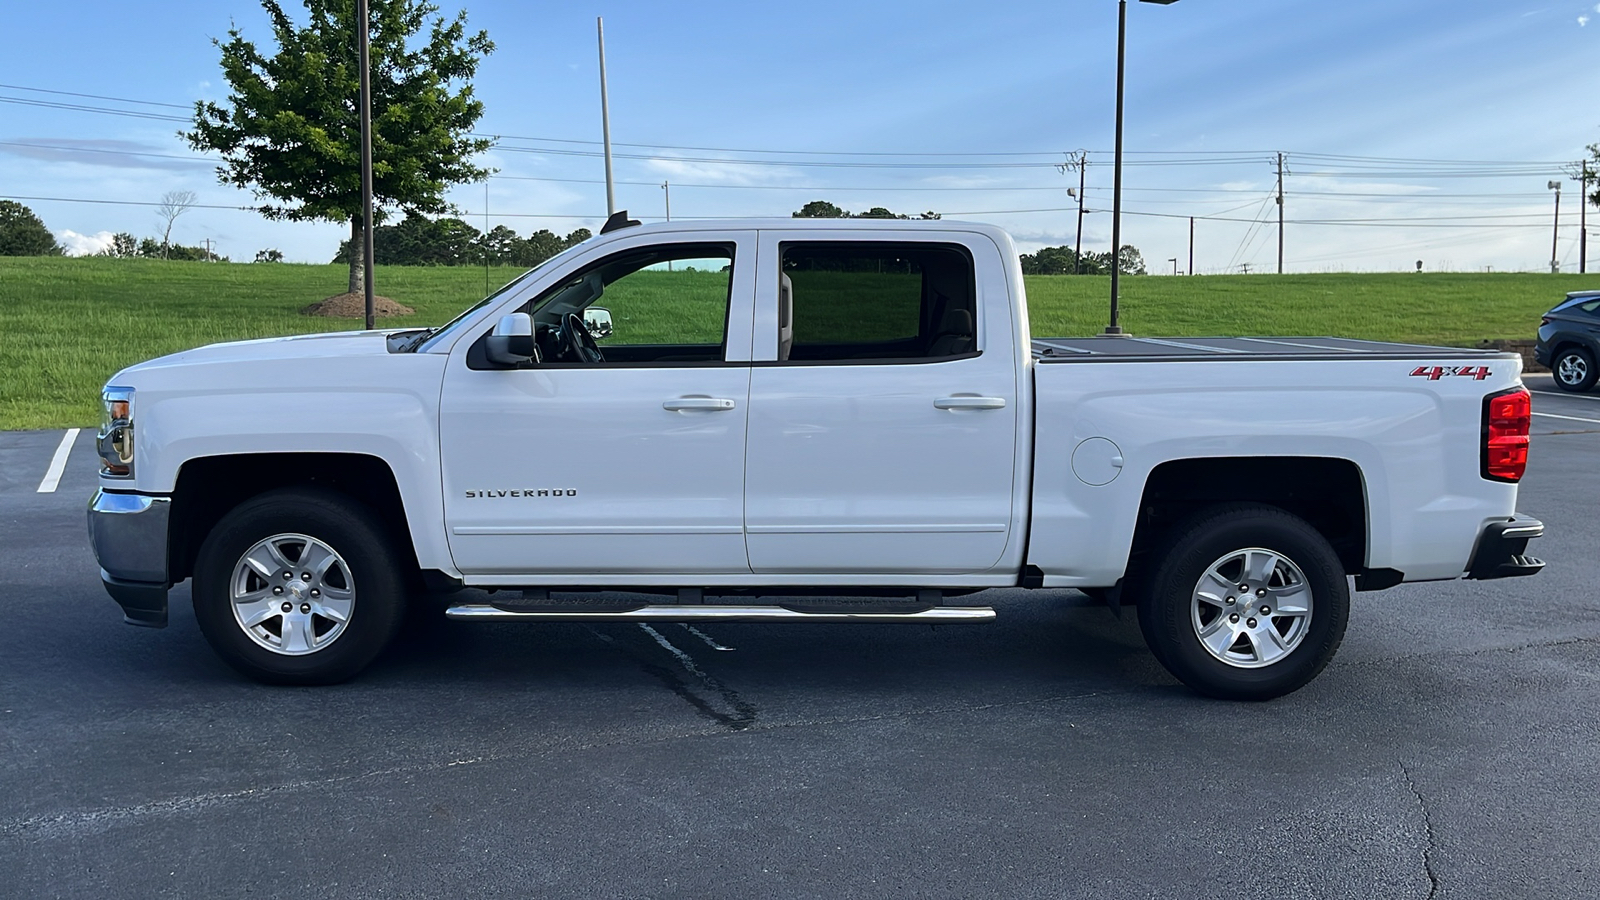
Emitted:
<point x="115" y="442"/>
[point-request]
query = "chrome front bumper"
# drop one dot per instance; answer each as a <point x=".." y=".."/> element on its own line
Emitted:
<point x="129" y="535"/>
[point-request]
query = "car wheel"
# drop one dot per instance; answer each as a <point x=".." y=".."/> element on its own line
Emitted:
<point x="1247" y="602"/>
<point x="298" y="586"/>
<point x="1574" y="369"/>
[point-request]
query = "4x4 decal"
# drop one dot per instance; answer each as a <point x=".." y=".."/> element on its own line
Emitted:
<point x="1434" y="373"/>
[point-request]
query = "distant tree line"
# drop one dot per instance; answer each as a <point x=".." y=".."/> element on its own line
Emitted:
<point x="822" y="209"/>
<point x="421" y="241"/>
<point x="1065" y="261"/>
<point x="125" y="246"/>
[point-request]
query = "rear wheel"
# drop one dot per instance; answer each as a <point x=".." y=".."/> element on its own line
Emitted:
<point x="298" y="586"/>
<point x="1247" y="602"/>
<point x="1574" y="369"/>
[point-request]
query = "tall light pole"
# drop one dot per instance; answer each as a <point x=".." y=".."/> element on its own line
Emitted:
<point x="364" y="44"/>
<point x="605" y="117"/>
<point x="1555" y="230"/>
<point x="1116" y="180"/>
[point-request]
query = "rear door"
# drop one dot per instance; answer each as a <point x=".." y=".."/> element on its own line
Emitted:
<point x="883" y="406"/>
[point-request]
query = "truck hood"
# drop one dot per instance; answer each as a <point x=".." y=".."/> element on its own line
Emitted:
<point x="300" y="346"/>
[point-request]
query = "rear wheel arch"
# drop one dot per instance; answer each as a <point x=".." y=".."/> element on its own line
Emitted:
<point x="1329" y="493"/>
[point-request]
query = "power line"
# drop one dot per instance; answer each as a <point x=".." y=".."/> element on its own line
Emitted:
<point x="18" y="87"/>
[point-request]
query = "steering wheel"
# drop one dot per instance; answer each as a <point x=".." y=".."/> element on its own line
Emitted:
<point x="580" y="343"/>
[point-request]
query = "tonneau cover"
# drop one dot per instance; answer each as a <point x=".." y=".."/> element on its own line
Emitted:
<point x="1128" y="349"/>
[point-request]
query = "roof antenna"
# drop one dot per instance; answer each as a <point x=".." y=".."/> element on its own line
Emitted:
<point x="618" y="220"/>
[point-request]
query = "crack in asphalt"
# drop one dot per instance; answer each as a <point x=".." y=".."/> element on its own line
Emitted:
<point x="70" y="824"/>
<point x="1480" y="651"/>
<point x="1427" y="824"/>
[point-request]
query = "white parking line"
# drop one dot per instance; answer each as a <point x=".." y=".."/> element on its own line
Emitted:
<point x="1567" y="394"/>
<point x="1568" y="418"/>
<point x="58" y="463"/>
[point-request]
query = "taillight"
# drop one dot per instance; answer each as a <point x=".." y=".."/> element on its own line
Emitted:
<point x="1507" y="418"/>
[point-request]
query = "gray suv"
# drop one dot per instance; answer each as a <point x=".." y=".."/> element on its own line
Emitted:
<point x="1569" y="341"/>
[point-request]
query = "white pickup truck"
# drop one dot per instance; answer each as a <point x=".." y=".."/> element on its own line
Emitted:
<point x="754" y="422"/>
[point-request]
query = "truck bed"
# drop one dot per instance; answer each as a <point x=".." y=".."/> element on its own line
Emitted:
<point x="1128" y="349"/>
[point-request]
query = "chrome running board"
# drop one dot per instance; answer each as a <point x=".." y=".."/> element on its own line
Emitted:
<point x="484" y="612"/>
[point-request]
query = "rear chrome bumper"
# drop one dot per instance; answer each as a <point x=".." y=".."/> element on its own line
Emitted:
<point x="1499" y="553"/>
<point x="129" y="535"/>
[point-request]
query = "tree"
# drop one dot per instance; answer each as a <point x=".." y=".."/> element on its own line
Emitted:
<point x="23" y="234"/>
<point x="269" y="255"/>
<point x="173" y="204"/>
<point x="820" y="209"/>
<point x="290" y="130"/>
<point x="123" y="245"/>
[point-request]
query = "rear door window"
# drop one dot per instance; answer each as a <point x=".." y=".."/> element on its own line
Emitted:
<point x="864" y="301"/>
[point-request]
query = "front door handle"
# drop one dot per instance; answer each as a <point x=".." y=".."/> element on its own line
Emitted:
<point x="679" y="404"/>
<point x="966" y="401"/>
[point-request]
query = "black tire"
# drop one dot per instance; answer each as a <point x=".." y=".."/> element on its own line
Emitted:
<point x="1577" y="364"/>
<point x="377" y="585"/>
<point x="1170" y="616"/>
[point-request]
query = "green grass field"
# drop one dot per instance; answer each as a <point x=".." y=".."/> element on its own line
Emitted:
<point x="66" y="325"/>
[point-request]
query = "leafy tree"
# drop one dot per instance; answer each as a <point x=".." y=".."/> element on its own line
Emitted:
<point x="1050" y="261"/>
<point x="820" y="209"/>
<point x="540" y="246"/>
<point x="122" y="246"/>
<point x="23" y="234"/>
<point x="270" y="255"/>
<point x="499" y="246"/>
<point x="290" y="130"/>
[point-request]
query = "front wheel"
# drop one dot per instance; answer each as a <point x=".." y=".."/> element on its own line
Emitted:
<point x="1574" y="370"/>
<point x="298" y="586"/>
<point x="1247" y="602"/>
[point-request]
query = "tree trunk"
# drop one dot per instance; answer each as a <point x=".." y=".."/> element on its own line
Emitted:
<point x="357" y="257"/>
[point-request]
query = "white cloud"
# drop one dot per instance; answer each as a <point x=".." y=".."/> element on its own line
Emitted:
<point x="1582" y="21"/>
<point x="83" y="244"/>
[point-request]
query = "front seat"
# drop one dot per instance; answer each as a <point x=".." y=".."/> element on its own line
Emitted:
<point x="954" y="335"/>
<point x="785" y="316"/>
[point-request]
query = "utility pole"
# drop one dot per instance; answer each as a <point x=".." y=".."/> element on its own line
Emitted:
<point x="364" y="43"/>
<point x="1555" y="233"/>
<point x="1246" y="267"/>
<point x="1174" y="261"/>
<point x="1079" y="160"/>
<point x="667" y="187"/>
<point x="605" y="118"/>
<point x="1280" y="212"/>
<point x="1191" y="245"/>
<point x="1583" y="221"/>
<point x="209" y="256"/>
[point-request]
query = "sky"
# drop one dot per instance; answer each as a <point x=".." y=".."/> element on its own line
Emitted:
<point x="1425" y="131"/>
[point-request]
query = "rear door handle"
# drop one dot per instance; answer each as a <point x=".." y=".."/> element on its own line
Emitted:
<point x="709" y="403"/>
<point x="970" y="402"/>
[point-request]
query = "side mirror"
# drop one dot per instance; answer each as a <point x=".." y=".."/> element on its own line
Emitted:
<point x="511" y="343"/>
<point x="598" y="320"/>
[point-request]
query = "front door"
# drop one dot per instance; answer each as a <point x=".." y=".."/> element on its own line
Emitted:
<point x="632" y="463"/>
<point x="883" y="412"/>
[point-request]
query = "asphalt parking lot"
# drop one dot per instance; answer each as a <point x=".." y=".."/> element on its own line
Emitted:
<point x="1451" y="750"/>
